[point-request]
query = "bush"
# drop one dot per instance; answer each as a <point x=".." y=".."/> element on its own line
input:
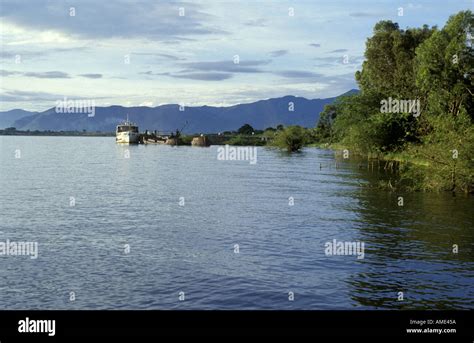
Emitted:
<point x="291" y="138"/>
<point x="246" y="130"/>
<point x="245" y="140"/>
<point x="449" y="149"/>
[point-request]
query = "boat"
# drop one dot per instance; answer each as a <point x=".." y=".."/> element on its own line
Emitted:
<point x="127" y="132"/>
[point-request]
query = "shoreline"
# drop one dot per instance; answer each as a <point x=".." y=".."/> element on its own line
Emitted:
<point x="4" y="132"/>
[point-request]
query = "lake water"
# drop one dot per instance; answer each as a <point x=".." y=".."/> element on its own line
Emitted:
<point x="167" y="220"/>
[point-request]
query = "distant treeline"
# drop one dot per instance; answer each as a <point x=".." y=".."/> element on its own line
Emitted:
<point x="291" y="138"/>
<point x="11" y="131"/>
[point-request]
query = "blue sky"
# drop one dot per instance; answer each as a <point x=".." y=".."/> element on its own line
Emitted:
<point x="302" y="48"/>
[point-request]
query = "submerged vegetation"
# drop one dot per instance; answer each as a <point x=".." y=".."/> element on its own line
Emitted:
<point x="291" y="138"/>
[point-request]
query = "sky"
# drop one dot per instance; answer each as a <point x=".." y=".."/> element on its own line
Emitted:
<point x="217" y="53"/>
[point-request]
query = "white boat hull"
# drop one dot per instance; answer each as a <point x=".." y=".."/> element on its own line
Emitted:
<point x="127" y="137"/>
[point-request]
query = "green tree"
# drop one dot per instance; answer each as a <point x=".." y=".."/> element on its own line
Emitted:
<point x="445" y="68"/>
<point x="245" y="130"/>
<point x="325" y="123"/>
<point x="291" y="138"/>
<point x="388" y="71"/>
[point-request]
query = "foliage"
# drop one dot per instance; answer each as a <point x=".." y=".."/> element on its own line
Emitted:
<point x="245" y="130"/>
<point x="185" y="140"/>
<point x="291" y="138"/>
<point x="449" y="149"/>
<point x="324" y="132"/>
<point x="445" y="68"/>
<point x="244" y="140"/>
<point x="426" y="64"/>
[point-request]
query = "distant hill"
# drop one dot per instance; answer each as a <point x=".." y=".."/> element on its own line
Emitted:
<point x="260" y="115"/>
<point x="9" y="117"/>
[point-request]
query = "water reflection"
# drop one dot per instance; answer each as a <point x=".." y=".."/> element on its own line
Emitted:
<point x="409" y="248"/>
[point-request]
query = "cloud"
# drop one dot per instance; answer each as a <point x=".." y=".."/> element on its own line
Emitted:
<point x="360" y="14"/>
<point x="203" y="76"/>
<point x="92" y="76"/>
<point x="301" y="78"/>
<point x="39" y="100"/>
<point x="356" y="59"/>
<point x="326" y="61"/>
<point x="368" y="14"/>
<point x="297" y="74"/>
<point x="162" y="55"/>
<point x="39" y="75"/>
<point x="332" y="61"/>
<point x="13" y="54"/>
<point x="171" y="57"/>
<point x="48" y="75"/>
<point x="178" y="40"/>
<point x="17" y="95"/>
<point x="309" y="90"/>
<point x="213" y="70"/>
<point x="110" y="19"/>
<point x="151" y="73"/>
<point x="260" y="22"/>
<point x="44" y="34"/>
<point x="6" y="73"/>
<point x="31" y="54"/>
<point x="249" y="66"/>
<point x="278" y="53"/>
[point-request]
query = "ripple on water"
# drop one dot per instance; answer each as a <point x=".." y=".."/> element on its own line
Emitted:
<point x="191" y="248"/>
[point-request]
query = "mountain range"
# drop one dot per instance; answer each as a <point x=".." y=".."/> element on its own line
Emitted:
<point x="287" y="110"/>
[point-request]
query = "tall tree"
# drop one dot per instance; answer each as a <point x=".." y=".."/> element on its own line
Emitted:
<point x="445" y="67"/>
<point x="389" y="66"/>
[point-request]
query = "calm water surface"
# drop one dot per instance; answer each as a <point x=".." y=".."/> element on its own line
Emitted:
<point x="190" y="248"/>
